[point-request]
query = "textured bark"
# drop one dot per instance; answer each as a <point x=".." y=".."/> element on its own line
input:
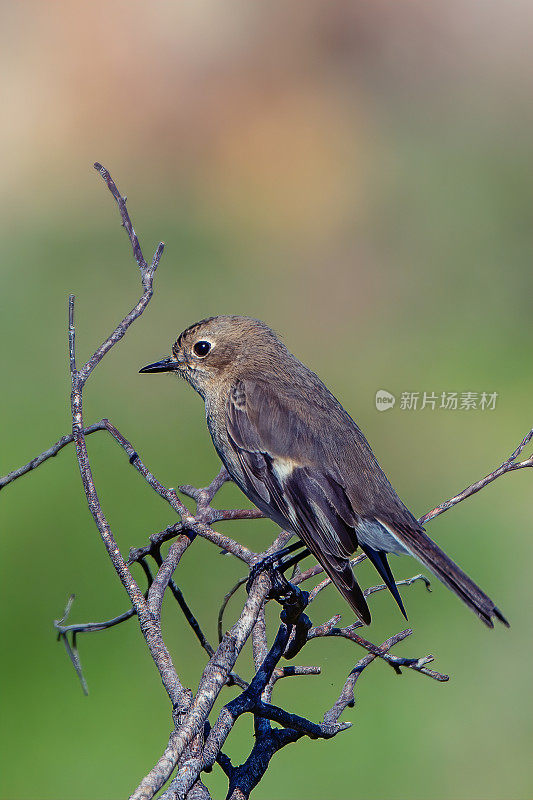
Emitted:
<point x="194" y="745"/>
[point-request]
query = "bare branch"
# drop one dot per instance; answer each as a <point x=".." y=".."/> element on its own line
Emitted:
<point x="251" y="701"/>
<point x="194" y="746"/>
<point x="405" y="582"/>
<point x="234" y="678"/>
<point x="397" y="662"/>
<point x="346" y="698"/>
<point x="197" y="524"/>
<point x="156" y="540"/>
<point x="73" y="654"/>
<point x="126" y="222"/>
<point x="71" y="647"/>
<point x="167" y="494"/>
<point x="204" y="497"/>
<point x="90" y="627"/>
<point x="214" y="677"/>
<point x="150" y="627"/>
<point x="318" y="570"/>
<point x="225" y="601"/>
<point x="164" y="574"/>
<point x="72" y="650"/>
<point x="508" y="466"/>
<point x="51" y="452"/>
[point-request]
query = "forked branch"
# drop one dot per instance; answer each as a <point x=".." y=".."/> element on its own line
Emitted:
<point x="194" y="745"/>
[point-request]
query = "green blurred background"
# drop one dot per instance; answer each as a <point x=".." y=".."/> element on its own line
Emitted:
<point x="359" y="176"/>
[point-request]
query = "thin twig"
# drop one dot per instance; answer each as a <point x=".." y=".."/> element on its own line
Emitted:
<point x="156" y="540"/>
<point x="126" y="222"/>
<point x="193" y="746"/>
<point x="346" y="698"/>
<point x="90" y="627"/>
<point x="214" y="677"/>
<point x="234" y="678"/>
<point x="51" y="452"/>
<point x="73" y="654"/>
<point x="508" y="466"/>
<point x="63" y="630"/>
<point x="397" y="662"/>
<point x="405" y="582"/>
<point x="167" y="494"/>
<point x="372" y="589"/>
<point x="150" y="627"/>
<point x="225" y="601"/>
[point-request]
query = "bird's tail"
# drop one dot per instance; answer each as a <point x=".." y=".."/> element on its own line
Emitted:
<point x="431" y="556"/>
<point x="379" y="560"/>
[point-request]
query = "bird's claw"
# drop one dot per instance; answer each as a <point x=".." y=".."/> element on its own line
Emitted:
<point x="271" y="564"/>
<point x="293" y="599"/>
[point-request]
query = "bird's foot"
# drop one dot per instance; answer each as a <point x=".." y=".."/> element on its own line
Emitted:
<point x="273" y="565"/>
<point x="293" y="599"/>
<point x="294" y="602"/>
<point x="276" y="566"/>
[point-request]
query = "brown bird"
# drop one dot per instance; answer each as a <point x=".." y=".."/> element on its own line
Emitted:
<point x="296" y="453"/>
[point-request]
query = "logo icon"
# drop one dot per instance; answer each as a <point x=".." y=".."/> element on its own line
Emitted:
<point x="384" y="400"/>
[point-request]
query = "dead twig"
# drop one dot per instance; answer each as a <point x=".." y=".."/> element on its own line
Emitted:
<point x="194" y="745"/>
<point x="509" y="465"/>
<point x="51" y="452"/>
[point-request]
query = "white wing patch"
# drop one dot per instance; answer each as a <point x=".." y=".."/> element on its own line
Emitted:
<point x="283" y="468"/>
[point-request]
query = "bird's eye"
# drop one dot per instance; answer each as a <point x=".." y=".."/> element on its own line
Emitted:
<point x="202" y="348"/>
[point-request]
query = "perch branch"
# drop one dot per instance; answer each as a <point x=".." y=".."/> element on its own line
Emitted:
<point x="193" y="746"/>
<point x="251" y="701"/>
<point x="215" y="676"/>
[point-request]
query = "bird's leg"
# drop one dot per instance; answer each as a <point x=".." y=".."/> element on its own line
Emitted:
<point x="279" y="554"/>
<point x="275" y="564"/>
<point x="291" y="562"/>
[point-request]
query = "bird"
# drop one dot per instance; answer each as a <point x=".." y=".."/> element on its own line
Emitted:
<point x="297" y="454"/>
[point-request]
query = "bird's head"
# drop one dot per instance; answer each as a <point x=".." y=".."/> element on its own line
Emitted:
<point x="218" y="349"/>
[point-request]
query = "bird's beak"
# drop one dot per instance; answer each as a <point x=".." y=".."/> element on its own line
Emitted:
<point x="165" y="365"/>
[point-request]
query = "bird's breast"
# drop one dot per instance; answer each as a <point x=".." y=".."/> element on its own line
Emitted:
<point x="215" y="414"/>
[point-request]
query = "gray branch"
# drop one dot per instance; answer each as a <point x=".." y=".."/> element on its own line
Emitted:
<point x="194" y="745"/>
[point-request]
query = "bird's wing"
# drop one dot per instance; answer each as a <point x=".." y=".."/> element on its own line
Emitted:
<point x="307" y="464"/>
<point x="285" y="474"/>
